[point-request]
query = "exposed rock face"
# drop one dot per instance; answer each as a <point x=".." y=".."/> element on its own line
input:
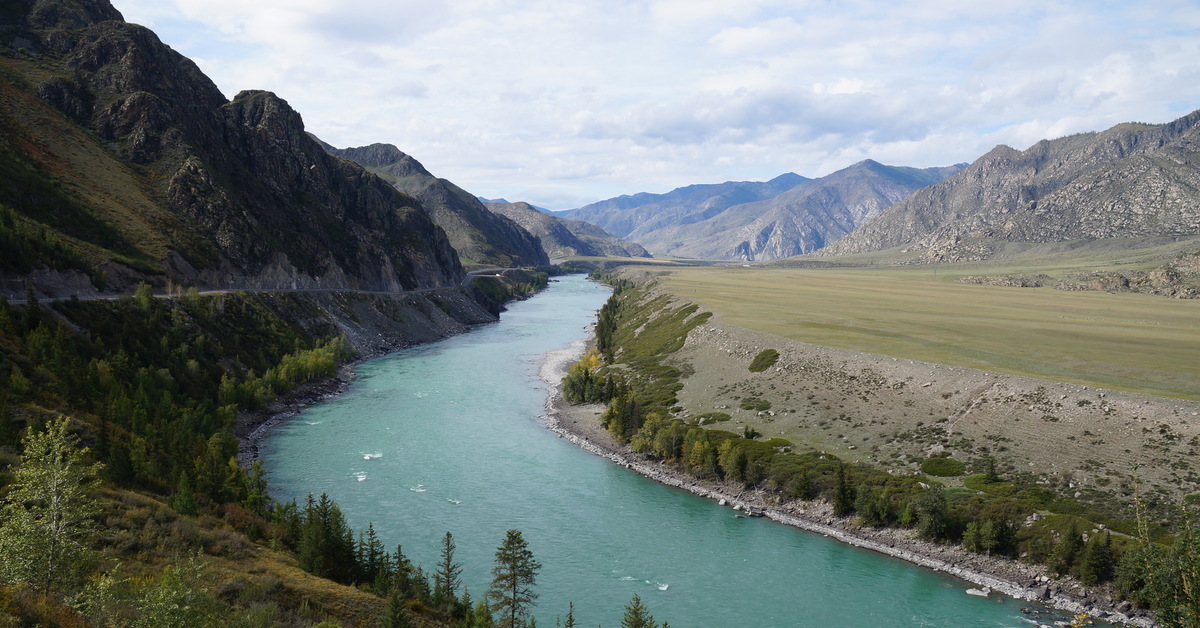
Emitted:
<point x="201" y="189"/>
<point x="562" y="237"/>
<point x="479" y="235"/>
<point x="1131" y="181"/>
<point x="762" y="221"/>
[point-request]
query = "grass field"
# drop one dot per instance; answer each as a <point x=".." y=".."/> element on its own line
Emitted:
<point x="1132" y="342"/>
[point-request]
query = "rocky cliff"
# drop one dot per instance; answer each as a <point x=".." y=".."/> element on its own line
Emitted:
<point x="1131" y="181"/>
<point x="133" y="166"/>
<point x="479" y="236"/>
<point x="562" y="237"/>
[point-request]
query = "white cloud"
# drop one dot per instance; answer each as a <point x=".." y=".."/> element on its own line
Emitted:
<point x="569" y="102"/>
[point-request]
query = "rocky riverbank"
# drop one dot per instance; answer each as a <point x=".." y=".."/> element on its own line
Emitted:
<point x="580" y="425"/>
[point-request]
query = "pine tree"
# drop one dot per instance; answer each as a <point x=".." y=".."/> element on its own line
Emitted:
<point x="843" y="495"/>
<point x="46" y="522"/>
<point x="395" y="615"/>
<point x="1097" y="565"/>
<point x="184" y="501"/>
<point x="1067" y="549"/>
<point x="513" y="579"/>
<point x="637" y="615"/>
<point x="569" y="622"/>
<point x="448" y="574"/>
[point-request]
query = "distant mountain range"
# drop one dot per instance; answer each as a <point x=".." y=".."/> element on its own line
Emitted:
<point x="788" y="215"/>
<point x="1132" y="181"/>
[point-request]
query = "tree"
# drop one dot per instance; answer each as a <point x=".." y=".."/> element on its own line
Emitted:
<point x="843" y="495"/>
<point x="395" y="615"/>
<point x="637" y="615"/>
<point x="47" y="521"/>
<point x="1067" y="549"/>
<point x="569" y="622"/>
<point x="1097" y="564"/>
<point x="932" y="517"/>
<point x="448" y="574"/>
<point x="513" y="578"/>
<point x="1172" y="581"/>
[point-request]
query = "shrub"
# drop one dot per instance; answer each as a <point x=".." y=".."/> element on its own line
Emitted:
<point x="942" y="467"/>
<point x="764" y="360"/>
<point x="708" y="418"/>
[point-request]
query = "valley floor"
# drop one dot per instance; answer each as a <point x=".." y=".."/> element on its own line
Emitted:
<point x="719" y="355"/>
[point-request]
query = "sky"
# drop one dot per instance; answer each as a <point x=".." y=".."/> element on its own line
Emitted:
<point x="566" y="102"/>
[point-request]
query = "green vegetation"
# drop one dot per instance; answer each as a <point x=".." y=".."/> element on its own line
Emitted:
<point x="943" y="467"/>
<point x="764" y="360"/>
<point x="1134" y="342"/>
<point x="641" y="330"/>
<point x="513" y="578"/>
<point x="994" y="515"/>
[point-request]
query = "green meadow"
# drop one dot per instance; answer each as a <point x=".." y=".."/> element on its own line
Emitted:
<point x="1131" y="342"/>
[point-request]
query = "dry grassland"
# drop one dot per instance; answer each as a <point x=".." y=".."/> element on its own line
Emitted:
<point x="1090" y="393"/>
<point x="1130" y="342"/>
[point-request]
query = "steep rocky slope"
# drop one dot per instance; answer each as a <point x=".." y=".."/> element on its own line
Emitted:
<point x="123" y="162"/>
<point x="1131" y="181"/>
<point x="479" y="236"/>
<point x="562" y="237"/>
<point x="800" y="220"/>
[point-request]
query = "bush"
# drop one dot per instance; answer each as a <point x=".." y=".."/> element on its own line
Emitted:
<point x="708" y="418"/>
<point x="942" y="467"/>
<point x="764" y="360"/>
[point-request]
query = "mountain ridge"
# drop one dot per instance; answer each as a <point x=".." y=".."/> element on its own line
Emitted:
<point x="563" y="237"/>
<point x="139" y="169"/>
<point x="1131" y="180"/>
<point x="479" y="235"/>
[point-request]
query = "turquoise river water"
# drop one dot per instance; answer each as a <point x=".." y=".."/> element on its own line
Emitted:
<point x="455" y="442"/>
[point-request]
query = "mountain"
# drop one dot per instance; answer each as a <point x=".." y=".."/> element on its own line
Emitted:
<point x="122" y="162"/>
<point x="561" y="237"/>
<point x="480" y="236"/>
<point x="1131" y="181"/>
<point x="800" y="220"/>
<point x="631" y="217"/>
<point x="789" y="215"/>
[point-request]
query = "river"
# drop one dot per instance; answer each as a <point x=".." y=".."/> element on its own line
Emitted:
<point x="455" y="444"/>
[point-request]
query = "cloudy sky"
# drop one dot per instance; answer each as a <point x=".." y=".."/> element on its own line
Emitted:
<point x="565" y="102"/>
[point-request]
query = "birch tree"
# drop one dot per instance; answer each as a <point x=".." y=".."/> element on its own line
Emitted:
<point x="47" y="519"/>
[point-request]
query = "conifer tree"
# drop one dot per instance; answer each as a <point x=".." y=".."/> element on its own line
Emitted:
<point x="637" y="615"/>
<point x="448" y="576"/>
<point x="395" y="615"/>
<point x="843" y="495"/>
<point x="1097" y="564"/>
<point x="513" y="579"/>
<point x="1067" y="549"/>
